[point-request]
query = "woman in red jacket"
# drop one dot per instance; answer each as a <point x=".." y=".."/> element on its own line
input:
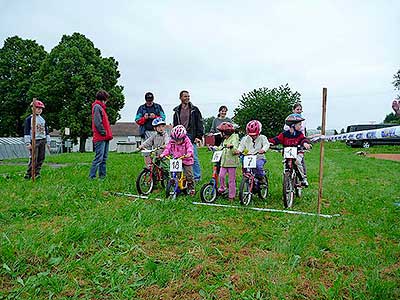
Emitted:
<point x="101" y="134"/>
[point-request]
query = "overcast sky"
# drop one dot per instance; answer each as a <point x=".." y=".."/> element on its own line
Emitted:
<point x="220" y="49"/>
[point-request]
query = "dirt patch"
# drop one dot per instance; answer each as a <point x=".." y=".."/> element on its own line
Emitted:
<point x="388" y="156"/>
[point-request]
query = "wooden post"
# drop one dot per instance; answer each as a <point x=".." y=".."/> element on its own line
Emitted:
<point x="33" y="139"/>
<point x="321" y="152"/>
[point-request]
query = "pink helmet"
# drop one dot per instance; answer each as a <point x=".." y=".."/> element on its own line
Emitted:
<point x="226" y="127"/>
<point x="39" y="104"/>
<point x="178" y="132"/>
<point x="253" y="127"/>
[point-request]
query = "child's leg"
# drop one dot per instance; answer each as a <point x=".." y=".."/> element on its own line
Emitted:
<point x="222" y="175"/>
<point x="260" y="167"/>
<point x="188" y="171"/>
<point x="232" y="182"/>
<point x="303" y="162"/>
<point x="41" y="154"/>
<point x="299" y="164"/>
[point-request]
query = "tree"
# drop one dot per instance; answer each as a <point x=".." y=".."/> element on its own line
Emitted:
<point x="269" y="106"/>
<point x="391" y="118"/>
<point x="68" y="81"/>
<point x="208" y="123"/>
<point x="19" y="60"/>
<point x="396" y="82"/>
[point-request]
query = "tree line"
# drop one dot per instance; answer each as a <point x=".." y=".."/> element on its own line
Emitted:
<point x="66" y="79"/>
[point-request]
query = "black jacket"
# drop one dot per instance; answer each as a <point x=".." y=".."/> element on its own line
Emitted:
<point x="195" y="128"/>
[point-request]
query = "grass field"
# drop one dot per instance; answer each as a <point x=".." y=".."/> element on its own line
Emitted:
<point x="63" y="237"/>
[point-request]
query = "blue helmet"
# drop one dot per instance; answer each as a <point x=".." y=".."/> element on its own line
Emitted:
<point x="293" y="119"/>
<point x="158" y="121"/>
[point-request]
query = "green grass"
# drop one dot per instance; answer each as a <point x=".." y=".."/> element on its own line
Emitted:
<point x="63" y="237"/>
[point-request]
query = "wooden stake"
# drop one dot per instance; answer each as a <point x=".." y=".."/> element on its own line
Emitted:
<point x="33" y="140"/>
<point x="321" y="152"/>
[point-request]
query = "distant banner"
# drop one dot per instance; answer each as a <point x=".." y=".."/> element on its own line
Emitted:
<point x="381" y="133"/>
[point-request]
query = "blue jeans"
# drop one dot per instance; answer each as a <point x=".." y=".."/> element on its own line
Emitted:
<point x="259" y="172"/>
<point x="100" y="159"/>
<point x="196" y="165"/>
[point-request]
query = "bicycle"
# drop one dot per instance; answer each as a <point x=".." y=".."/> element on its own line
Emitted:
<point x="177" y="183"/>
<point x="151" y="174"/>
<point x="250" y="184"/>
<point x="209" y="191"/>
<point x="291" y="176"/>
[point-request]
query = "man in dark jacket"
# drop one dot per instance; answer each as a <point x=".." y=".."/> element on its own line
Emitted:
<point x="145" y="115"/>
<point x="189" y="116"/>
<point x="101" y="134"/>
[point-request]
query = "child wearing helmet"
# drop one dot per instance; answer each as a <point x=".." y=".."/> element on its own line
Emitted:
<point x="42" y="138"/>
<point x="255" y="143"/>
<point x="158" y="140"/>
<point x="229" y="161"/>
<point x="294" y="137"/>
<point x="180" y="145"/>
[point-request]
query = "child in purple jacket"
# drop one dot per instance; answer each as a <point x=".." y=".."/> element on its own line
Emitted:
<point x="180" y="145"/>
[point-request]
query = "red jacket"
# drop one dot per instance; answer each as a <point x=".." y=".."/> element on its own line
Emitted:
<point x="289" y="140"/>
<point x="100" y="125"/>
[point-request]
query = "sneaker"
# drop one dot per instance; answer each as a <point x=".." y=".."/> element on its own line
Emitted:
<point x="192" y="192"/>
<point x="304" y="182"/>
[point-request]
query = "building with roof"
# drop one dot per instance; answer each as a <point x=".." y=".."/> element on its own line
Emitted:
<point x="13" y="147"/>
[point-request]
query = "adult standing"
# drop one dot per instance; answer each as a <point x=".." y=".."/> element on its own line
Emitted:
<point x="145" y="115"/>
<point x="396" y="107"/>
<point x="189" y="116"/>
<point x="102" y="134"/>
<point x="221" y="118"/>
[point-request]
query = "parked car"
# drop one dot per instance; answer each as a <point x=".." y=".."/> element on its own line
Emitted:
<point x="366" y="143"/>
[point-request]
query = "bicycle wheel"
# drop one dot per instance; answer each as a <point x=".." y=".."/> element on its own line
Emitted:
<point x="245" y="192"/>
<point x="264" y="188"/>
<point x="298" y="187"/>
<point x="208" y="192"/>
<point x="145" y="182"/>
<point x="288" y="189"/>
<point x="170" y="192"/>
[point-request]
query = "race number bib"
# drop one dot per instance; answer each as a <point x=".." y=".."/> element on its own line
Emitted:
<point x="290" y="152"/>
<point x="250" y="161"/>
<point x="175" y="165"/>
<point x="216" y="156"/>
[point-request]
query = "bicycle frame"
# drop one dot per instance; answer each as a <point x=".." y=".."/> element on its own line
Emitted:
<point x="179" y="182"/>
<point x="153" y="167"/>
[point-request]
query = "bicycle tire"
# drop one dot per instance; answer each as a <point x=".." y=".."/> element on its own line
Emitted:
<point x="170" y="192"/>
<point x="298" y="187"/>
<point x="288" y="189"/>
<point x="245" y="194"/>
<point x="264" y="189"/>
<point x="208" y="193"/>
<point x="145" y="182"/>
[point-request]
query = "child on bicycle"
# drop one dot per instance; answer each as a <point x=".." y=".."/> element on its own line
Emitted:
<point x="180" y="145"/>
<point x="292" y="138"/>
<point x="255" y="143"/>
<point x="157" y="141"/>
<point x="229" y="161"/>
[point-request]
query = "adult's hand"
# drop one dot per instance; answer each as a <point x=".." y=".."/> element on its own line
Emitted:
<point x="197" y="140"/>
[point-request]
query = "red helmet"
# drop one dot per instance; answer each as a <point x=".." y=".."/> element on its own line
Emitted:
<point x="226" y="127"/>
<point x="253" y="127"/>
<point x="178" y="132"/>
<point x="39" y="104"/>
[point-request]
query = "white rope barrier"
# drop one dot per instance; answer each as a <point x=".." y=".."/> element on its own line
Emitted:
<point x="293" y="212"/>
<point x="380" y="133"/>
